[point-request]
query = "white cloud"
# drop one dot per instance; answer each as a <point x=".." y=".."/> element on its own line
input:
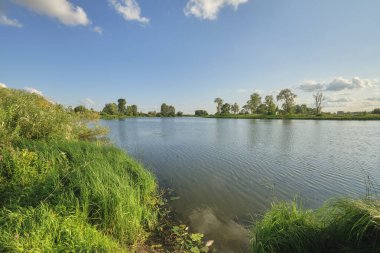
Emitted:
<point x="4" y="20"/>
<point x="310" y="86"/>
<point x="33" y="90"/>
<point x="2" y="85"/>
<point x="88" y="102"/>
<point x="130" y="10"/>
<point x="338" y="100"/>
<point x="341" y="83"/>
<point x="97" y="29"/>
<point x="63" y="10"/>
<point x="209" y="9"/>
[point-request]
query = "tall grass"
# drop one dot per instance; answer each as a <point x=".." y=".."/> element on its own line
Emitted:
<point x="341" y="225"/>
<point x="60" y="193"/>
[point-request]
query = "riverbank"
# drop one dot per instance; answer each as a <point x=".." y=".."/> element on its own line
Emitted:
<point x="299" y="116"/>
<point x="61" y="189"/>
<point x="342" y="225"/>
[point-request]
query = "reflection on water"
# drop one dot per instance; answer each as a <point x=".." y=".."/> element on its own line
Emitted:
<point x="226" y="171"/>
<point x="233" y="237"/>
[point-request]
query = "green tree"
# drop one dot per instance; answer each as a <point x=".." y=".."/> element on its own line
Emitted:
<point x="288" y="97"/>
<point x="131" y="110"/>
<point x="167" y="110"/>
<point x="121" y="106"/>
<point x="201" y="113"/>
<point x="179" y="114"/>
<point x="301" y="109"/>
<point x="219" y="104"/>
<point x="271" y="106"/>
<point x="226" y="108"/>
<point x="110" y="109"/>
<point x="235" y="108"/>
<point x="262" y="109"/>
<point x="376" y="111"/>
<point x="80" y="109"/>
<point x="254" y="102"/>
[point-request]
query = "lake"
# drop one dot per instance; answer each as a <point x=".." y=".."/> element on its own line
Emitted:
<point x="228" y="171"/>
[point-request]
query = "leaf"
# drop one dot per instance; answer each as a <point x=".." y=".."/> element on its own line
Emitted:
<point x="197" y="237"/>
<point x="195" y="250"/>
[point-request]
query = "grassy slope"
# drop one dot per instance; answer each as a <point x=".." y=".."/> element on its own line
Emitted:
<point x="343" y="225"/>
<point x="58" y="192"/>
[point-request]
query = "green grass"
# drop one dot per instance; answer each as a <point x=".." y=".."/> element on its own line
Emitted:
<point x="60" y="193"/>
<point x="341" y="225"/>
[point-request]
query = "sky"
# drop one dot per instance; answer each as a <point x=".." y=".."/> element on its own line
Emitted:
<point x="188" y="52"/>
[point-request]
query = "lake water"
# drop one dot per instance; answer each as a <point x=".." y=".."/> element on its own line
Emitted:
<point x="226" y="171"/>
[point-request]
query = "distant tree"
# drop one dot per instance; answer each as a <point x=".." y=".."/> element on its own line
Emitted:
<point x="131" y="110"/>
<point x="80" y="109"/>
<point x="219" y="104"/>
<point x="318" y="98"/>
<point x="254" y="102"/>
<point x="179" y="114"/>
<point x="262" y="109"/>
<point x="301" y="109"/>
<point x="201" y="113"/>
<point x="245" y="109"/>
<point x="134" y="110"/>
<point x="121" y="106"/>
<point x="152" y="114"/>
<point x="271" y="106"/>
<point x="376" y="111"/>
<point x="110" y="109"/>
<point x="226" y="108"/>
<point x="235" y="108"/>
<point x="167" y="110"/>
<point x="288" y="97"/>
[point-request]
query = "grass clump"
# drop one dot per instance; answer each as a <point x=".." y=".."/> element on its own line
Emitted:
<point x="60" y="193"/>
<point x="341" y="225"/>
<point x="42" y="229"/>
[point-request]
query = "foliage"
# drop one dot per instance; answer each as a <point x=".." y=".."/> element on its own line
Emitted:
<point x="167" y="110"/>
<point x="110" y="109"/>
<point x="58" y="193"/>
<point x="219" y="103"/>
<point x="254" y="102"/>
<point x="30" y="116"/>
<point x="201" y="113"/>
<point x="173" y="236"/>
<point x="270" y="105"/>
<point x="341" y="225"/>
<point x="288" y="97"/>
<point x="226" y="108"/>
<point x="80" y="109"/>
<point x="235" y="108"/>
<point x="43" y="229"/>
<point x="179" y="114"/>
<point x="376" y="111"/>
<point x="121" y="106"/>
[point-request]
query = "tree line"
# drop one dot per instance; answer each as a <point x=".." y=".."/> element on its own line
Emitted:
<point x="267" y="106"/>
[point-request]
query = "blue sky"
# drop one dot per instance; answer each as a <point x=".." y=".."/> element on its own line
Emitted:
<point x="187" y="52"/>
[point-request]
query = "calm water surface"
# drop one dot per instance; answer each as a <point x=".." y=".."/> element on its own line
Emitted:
<point x="226" y="171"/>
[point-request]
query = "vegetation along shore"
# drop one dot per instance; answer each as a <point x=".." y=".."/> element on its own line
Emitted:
<point x="64" y="189"/>
<point x="61" y="189"/>
<point x="283" y="106"/>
